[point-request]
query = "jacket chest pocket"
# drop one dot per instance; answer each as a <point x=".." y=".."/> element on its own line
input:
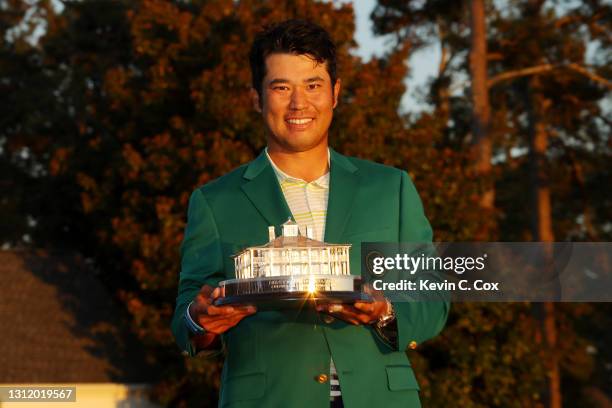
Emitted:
<point x="381" y="234"/>
<point x="244" y="377"/>
<point x="243" y="388"/>
<point x="242" y="351"/>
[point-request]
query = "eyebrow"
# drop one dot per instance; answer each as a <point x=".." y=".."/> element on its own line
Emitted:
<point x="277" y="81"/>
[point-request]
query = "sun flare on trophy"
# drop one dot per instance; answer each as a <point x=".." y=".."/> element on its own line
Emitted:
<point x="311" y="286"/>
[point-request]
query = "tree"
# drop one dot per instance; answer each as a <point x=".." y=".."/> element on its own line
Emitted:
<point x="541" y="51"/>
<point x="23" y="133"/>
<point x="152" y="101"/>
<point x="146" y="100"/>
<point x="538" y="28"/>
<point x="481" y="111"/>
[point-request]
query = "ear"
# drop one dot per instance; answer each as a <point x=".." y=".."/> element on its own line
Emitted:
<point x="256" y="100"/>
<point x="336" y="91"/>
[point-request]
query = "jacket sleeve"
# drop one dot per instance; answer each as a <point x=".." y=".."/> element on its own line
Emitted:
<point x="201" y="263"/>
<point x="417" y="321"/>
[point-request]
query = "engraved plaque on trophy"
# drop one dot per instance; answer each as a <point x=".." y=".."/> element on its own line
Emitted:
<point x="292" y="269"/>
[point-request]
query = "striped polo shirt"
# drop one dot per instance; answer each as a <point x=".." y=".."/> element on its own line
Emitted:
<point x="308" y="205"/>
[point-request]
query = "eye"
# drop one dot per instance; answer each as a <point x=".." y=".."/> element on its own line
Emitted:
<point x="314" y="86"/>
<point x="281" y="88"/>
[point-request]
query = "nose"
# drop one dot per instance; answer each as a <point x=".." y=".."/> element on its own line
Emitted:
<point x="298" y="99"/>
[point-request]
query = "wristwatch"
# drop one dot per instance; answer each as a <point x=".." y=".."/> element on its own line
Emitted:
<point x="386" y="327"/>
<point x="387" y="318"/>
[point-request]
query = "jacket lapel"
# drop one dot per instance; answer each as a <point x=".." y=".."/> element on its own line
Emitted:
<point x="263" y="191"/>
<point x="342" y="190"/>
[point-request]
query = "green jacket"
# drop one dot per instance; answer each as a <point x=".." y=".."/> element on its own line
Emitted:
<point x="273" y="358"/>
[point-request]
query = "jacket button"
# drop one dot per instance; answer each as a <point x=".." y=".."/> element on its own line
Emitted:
<point x="412" y="345"/>
<point x="321" y="378"/>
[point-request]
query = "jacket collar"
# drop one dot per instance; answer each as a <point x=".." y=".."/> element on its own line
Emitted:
<point x="343" y="184"/>
<point x="263" y="190"/>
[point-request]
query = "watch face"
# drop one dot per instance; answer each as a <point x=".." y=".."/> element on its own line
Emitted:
<point x="388" y="317"/>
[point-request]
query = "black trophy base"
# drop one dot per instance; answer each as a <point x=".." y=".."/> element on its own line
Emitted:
<point x="289" y="300"/>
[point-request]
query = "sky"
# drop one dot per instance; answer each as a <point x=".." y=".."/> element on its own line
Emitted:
<point x="422" y="63"/>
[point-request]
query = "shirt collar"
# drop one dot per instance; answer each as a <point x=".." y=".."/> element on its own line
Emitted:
<point x="322" y="181"/>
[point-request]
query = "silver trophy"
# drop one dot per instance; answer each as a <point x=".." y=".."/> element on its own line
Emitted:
<point x="290" y="269"/>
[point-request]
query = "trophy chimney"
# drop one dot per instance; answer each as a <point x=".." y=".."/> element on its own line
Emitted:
<point x="271" y="233"/>
<point x="309" y="232"/>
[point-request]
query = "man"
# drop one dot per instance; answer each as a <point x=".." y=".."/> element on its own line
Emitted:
<point x="338" y="355"/>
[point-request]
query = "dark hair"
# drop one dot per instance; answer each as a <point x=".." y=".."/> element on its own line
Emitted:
<point x="299" y="37"/>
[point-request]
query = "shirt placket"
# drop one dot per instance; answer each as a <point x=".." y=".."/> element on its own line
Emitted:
<point x="307" y="192"/>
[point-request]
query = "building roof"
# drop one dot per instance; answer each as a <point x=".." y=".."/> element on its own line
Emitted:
<point x="59" y="324"/>
<point x="299" y="241"/>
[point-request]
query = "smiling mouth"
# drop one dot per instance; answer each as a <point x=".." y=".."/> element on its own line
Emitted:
<point x="302" y="121"/>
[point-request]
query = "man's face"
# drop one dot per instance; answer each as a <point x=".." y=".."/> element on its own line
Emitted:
<point x="298" y="102"/>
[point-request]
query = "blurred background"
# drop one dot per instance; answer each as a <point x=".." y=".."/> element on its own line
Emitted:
<point x="112" y="112"/>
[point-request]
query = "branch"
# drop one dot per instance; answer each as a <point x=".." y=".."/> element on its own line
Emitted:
<point x="605" y="120"/>
<point x="591" y="75"/>
<point x="518" y="73"/>
<point x="495" y="56"/>
<point x="547" y="68"/>
<point x="444" y="57"/>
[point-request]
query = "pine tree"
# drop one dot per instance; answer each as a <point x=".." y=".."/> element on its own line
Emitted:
<point x="521" y="57"/>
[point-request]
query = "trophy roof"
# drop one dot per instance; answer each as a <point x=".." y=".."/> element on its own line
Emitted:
<point x="298" y="241"/>
<point x="295" y="242"/>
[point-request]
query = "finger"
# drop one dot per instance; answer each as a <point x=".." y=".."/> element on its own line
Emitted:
<point x="216" y="326"/>
<point x="359" y="316"/>
<point x="323" y="307"/>
<point x="365" y="318"/>
<point x="349" y="309"/>
<point x="206" y="290"/>
<point x="352" y="321"/>
<point x="219" y="310"/>
<point x="223" y="323"/>
<point x="377" y="308"/>
<point x="203" y="296"/>
<point x="237" y="310"/>
<point x="216" y="293"/>
<point x="335" y="308"/>
<point x="214" y="322"/>
<point x="247" y="309"/>
<point x="365" y="307"/>
<point x="356" y="315"/>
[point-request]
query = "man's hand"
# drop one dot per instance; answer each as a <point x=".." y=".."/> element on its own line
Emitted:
<point x="358" y="312"/>
<point x="216" y="319"/>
